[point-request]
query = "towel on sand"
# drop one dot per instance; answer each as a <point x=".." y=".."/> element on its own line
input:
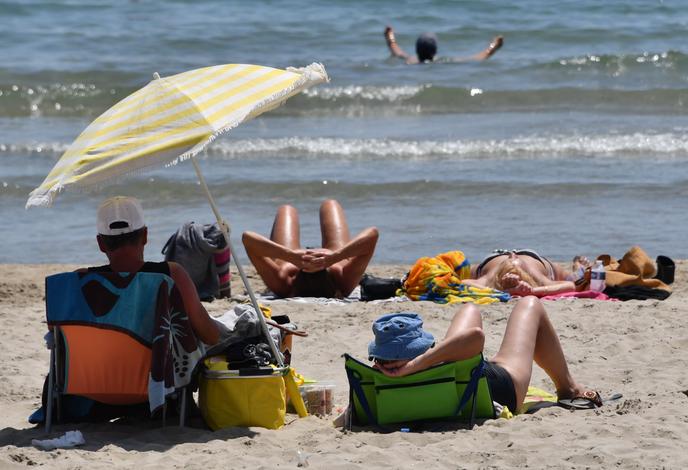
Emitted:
<point x="636" y="268"/>
<point x="439" y="279"/>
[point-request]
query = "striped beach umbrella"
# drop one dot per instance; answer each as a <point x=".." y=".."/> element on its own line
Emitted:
<point x="172" y="119"/>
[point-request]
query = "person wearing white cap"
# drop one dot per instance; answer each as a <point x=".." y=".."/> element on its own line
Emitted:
<point x="122" y="236"/>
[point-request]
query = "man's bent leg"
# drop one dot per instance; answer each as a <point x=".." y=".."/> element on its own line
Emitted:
<point x="334" y="228"/>
<point x="277" y="274"/>
<point x="286" y="229"/>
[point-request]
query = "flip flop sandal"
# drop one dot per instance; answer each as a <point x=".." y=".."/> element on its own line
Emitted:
<point x="589" y="400"/>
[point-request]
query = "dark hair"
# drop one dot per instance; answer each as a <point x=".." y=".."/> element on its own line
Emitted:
<point x="426" y="47"/>
<point x="113" y="242"/>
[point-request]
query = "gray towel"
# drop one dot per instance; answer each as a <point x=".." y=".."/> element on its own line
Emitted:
<point x="193" y="246"/>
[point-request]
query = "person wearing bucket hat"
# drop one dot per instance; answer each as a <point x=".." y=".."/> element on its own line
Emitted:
<point x="401" y="347"/>
<point x="399" y="336"/>
<point x="426" y="49"/>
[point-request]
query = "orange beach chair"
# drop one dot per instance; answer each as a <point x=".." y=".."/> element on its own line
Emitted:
<point x="119" y="339"/>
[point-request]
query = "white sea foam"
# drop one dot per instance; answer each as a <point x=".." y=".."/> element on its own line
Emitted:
<point x="662" y="146"/>
<point x="637" y="145"/>
<point x="371" y="93"/>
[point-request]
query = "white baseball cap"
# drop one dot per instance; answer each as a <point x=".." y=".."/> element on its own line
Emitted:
<point x="119" y="215"/>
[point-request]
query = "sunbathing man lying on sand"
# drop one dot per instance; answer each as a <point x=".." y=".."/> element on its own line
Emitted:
<point x="426" y="49"/>
<point x="401" y="347"/>
<point x="331" y="271"/>
<point x="524" y="272"/>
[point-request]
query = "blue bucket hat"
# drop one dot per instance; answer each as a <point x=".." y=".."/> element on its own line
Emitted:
<point x="399" y="336"/>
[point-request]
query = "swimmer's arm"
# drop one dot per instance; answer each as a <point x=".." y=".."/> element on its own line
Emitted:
<point x="394" y="48"/>
<point x="493" y="47"/>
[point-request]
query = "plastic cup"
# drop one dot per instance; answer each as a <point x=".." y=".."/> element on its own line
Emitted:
<point x="319" y="398"/>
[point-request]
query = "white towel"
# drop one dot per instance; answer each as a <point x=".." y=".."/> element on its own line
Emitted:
<point x="69" y="440"/>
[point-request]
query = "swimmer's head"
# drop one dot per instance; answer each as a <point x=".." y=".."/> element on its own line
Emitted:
<point x="426" y="47"/>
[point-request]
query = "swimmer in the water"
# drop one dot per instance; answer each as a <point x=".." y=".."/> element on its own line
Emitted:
<point x="426" y="49"/>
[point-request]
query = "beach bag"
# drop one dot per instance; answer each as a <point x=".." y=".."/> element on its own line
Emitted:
<point x="375" y="288"/>
<point x="245" y="397"/>
<point x="451" y="391"/>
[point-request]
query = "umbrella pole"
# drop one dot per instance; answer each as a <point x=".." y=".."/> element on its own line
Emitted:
<point x="225" y="231"/>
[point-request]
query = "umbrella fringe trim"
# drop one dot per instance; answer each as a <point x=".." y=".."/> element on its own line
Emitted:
<point x="46" y="199"/>
<point x="312" y="74"/>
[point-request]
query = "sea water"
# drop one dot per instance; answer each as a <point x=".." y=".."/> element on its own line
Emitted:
<point x="571" y="139"/>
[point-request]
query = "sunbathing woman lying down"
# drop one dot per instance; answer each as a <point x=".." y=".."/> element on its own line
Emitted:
<point x="524" y="272"/>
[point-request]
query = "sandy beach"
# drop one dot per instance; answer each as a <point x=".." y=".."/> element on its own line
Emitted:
<point x="637" y="348"/>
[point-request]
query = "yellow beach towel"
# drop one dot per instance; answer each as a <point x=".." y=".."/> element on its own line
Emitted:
<point x="439" y="279"/>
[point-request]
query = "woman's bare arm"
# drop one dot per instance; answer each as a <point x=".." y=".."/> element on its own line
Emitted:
<point x="463" y="345"/>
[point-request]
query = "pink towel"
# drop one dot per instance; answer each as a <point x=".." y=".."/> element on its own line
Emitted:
<point x="586" y="294"/>
<point x="222" y="264"/>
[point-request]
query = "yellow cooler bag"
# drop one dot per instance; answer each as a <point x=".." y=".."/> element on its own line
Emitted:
<point x="241" y="398"/>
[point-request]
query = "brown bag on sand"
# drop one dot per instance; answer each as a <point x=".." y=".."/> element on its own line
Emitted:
<point x="636" y="268"/>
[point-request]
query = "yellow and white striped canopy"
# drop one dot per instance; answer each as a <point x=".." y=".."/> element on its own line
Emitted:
<point x="170" y="119"/>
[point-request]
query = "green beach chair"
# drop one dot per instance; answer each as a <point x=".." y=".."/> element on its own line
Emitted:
<point x="452" y="391"/>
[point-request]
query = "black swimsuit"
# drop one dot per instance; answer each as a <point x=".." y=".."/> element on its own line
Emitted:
<point x="317" y="284"/>
<point x="551" y="273"/>
<point x="501" y="385"/>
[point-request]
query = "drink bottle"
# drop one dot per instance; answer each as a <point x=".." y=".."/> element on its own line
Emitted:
<point x="597" y="277"/>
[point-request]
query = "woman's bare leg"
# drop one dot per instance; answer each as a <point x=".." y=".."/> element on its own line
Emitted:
<point x="530" y="337"/>
<point x="467" y="317"/>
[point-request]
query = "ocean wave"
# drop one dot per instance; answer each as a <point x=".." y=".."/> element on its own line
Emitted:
<point x="634" y="145"/>
<point x="431" y="99"/>
<point x="670" y="59"/>
<point x="670" y="146"/>
<point x="23" y="97"/>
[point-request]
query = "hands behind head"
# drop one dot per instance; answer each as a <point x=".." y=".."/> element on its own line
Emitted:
<point x="315" y="259"/>
<point x="396" y="368"/>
